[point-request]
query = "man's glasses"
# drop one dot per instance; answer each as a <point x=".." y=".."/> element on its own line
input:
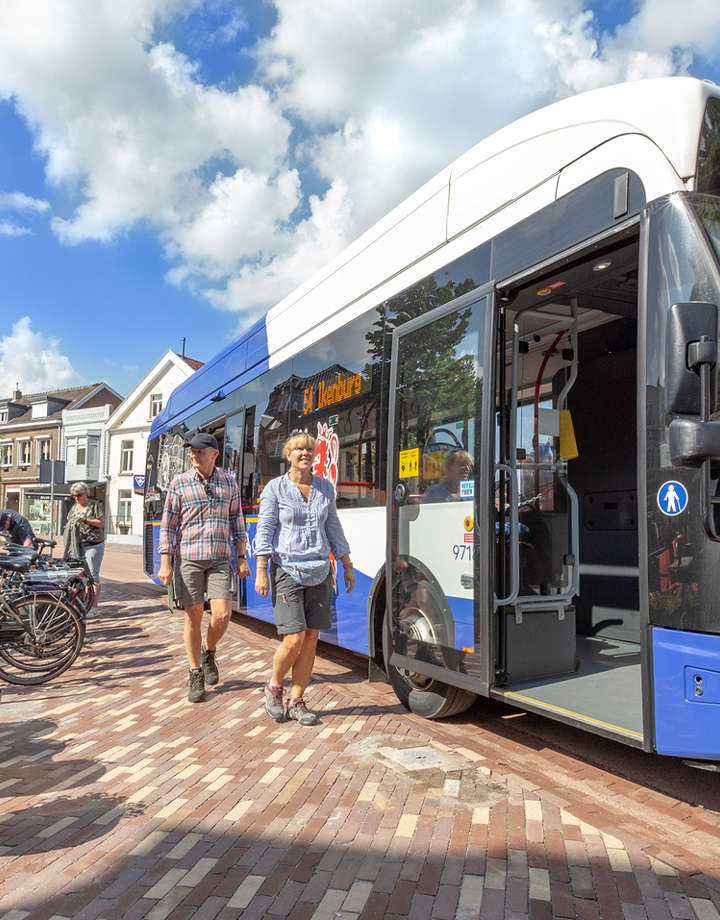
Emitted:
<point x="208" y="490"/>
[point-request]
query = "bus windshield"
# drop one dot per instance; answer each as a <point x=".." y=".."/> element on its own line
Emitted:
<point x="707" y="209"/>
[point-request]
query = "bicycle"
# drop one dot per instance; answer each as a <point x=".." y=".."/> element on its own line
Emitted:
<point x="41" y="635"/>
<point x="52" y="575"/>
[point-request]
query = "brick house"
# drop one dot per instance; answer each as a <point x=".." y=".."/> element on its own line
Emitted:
<point x="32" y="429"/>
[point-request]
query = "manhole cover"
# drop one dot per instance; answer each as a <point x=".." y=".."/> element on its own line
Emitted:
<point x="447" y="773"/>
<point x="424" y="758"/>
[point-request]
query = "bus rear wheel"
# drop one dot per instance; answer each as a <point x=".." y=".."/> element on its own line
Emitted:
<point x="421" y="695"/>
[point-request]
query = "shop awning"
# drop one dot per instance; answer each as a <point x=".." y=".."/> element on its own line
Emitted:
<point x="59" y="492"/>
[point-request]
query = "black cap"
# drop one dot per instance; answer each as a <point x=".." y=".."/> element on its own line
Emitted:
<point x="201" y="440"/>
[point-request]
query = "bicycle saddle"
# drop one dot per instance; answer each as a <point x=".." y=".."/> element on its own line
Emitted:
<point x="16" y="563"/>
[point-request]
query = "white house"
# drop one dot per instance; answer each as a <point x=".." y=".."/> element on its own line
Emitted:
<point x="126" y="434"/>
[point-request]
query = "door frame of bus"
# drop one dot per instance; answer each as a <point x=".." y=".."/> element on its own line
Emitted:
<point x="484" y="503"/>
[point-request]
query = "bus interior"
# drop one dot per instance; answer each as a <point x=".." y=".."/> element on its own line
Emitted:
<point x="569" y="641"/>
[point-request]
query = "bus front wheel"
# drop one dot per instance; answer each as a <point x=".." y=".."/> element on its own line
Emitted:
<point x="423" y="696"/>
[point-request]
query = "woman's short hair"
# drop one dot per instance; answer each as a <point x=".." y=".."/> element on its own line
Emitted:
<point x="457" y="457"/>
<point x="299" y="439"/>
<point x="79" y="488"/>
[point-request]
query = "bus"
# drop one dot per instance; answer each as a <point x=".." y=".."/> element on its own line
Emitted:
<point x="542" y="315"/>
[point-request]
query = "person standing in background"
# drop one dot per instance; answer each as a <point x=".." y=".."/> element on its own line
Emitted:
<point x="15" y="527"/>
<point x="91" y="520"/>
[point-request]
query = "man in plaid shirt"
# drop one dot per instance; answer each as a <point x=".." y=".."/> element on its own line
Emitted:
<point x="202" y="517"/>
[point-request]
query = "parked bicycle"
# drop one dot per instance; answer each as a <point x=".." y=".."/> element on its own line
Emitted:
<point x="40" y="633"/>
<point x="51" y="574"/>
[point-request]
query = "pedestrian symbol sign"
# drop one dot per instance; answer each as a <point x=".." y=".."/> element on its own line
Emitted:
<point x="409" y="463"/>
<point x="672" y="498"/>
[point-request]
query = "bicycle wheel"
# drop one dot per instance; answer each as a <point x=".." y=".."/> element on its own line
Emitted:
<point x="49" y="645"/>
<point x="80" y="595"/>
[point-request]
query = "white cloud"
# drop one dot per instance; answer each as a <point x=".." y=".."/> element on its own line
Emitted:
<point x="33" y="362"/>
<point x="9" y="229"/>
<point x="352" y="107"/>
<point x="17" y="201"/>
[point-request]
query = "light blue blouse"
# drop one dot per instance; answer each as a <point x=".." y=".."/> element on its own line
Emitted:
<point x="289" y="529"/>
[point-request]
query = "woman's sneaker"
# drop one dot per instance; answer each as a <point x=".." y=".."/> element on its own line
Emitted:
<point x="274" y="702"/>
<point x="298" y="710"/>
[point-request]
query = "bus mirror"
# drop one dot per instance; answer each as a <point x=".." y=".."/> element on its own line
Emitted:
<point x="692" y="337"/>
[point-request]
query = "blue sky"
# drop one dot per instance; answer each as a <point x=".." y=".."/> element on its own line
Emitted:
<point x="173" y="168"/>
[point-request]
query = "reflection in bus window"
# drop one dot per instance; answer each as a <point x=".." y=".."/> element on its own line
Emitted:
<point x="457" y="469"/>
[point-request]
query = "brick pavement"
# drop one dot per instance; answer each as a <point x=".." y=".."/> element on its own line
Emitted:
<point x="118" y="799"/>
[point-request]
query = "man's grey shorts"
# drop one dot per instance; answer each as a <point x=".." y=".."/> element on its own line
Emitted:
<point x="194" y="580"/>
<point x="297" y="607"/>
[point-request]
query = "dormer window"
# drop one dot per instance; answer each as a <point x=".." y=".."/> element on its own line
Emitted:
<point x="3" y="415"/>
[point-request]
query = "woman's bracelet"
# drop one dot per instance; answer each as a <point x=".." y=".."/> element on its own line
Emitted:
<point x="347" y="565"/>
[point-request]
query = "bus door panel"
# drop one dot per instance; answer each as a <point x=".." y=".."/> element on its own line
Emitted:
<point x="435" y="479"/>
<point x="537" y="531"/>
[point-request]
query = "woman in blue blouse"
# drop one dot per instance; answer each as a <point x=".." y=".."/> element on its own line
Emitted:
<point x="298" y="528"/>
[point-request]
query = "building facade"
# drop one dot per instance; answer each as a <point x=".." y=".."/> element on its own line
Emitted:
<point x="126" y="434"/>
<point x="32" y="429"/>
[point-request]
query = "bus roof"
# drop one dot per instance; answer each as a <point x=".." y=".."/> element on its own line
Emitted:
<point x="490" y="177"/>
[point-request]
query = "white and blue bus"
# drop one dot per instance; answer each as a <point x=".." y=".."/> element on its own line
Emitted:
<point x="547" y="305"/>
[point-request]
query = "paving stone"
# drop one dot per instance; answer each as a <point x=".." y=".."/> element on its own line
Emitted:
<point x="124" y="801"/>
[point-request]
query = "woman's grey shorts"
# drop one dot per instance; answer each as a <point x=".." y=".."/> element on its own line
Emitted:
<point x="297" y="607"/>
<point x="194" y="579"/>
<point x="94" y="556"/>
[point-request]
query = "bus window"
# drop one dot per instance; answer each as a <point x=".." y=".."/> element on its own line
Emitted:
<point x="248" y="479"/>
<point x="336" y="400"/>
<point x="266" y="431"/>
<point x="234" y="430"/>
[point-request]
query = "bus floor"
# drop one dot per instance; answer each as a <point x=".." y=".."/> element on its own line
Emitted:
<point x="605" y="690"/>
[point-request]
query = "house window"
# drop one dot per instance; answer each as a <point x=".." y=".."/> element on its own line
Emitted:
<point x="155" y="404"/>
<point x="25" y="452"/>
<point x="93" y="453"/>
<point x="75" y="451"/>
<point x="6" y="453"/>
<point x="82" y="451"/>
<point x="3" y="415"/>
<point x="44" y="449"/>
<point x="124" y="506"/>
<point x="126" y="457"/>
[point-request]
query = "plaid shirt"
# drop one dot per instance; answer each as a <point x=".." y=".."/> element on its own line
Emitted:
<point x="196" y="525"/>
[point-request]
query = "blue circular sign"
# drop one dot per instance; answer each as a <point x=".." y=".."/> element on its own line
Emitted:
<point x="672" y="498"/>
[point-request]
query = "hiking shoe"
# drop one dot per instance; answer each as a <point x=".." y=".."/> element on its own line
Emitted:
<point x="209" y="666"/>
<point x="298" y="710"/>
<point x="274" y="702"/>
<point x="196" y="693"/>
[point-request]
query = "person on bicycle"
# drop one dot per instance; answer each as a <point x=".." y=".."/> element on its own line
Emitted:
<point x="16" y="528"/>
<point x="202" y="518"/>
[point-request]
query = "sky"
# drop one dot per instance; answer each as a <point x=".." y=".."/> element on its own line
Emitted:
<point x="171" y="169"/>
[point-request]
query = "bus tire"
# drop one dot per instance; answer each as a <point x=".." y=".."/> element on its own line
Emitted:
<point x="423" y="696"/>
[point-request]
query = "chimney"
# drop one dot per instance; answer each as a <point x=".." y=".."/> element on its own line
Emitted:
<point x="183" y="347"/>
<point x="17" y="393"/>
